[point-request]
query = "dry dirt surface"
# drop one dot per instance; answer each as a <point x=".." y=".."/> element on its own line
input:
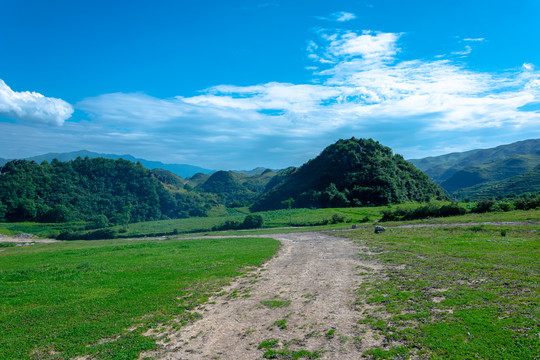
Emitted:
<point x="303" y="298"/>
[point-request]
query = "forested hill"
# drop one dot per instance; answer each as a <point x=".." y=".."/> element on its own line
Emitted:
<point x="82" y="189"/>
<point x="183" y="170"/>
<point x="354" y="172"/>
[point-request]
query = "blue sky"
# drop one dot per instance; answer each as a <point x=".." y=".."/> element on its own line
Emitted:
<point x="239" y="84"/>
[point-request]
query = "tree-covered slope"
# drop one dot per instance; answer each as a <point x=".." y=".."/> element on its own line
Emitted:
<point x="235" y="189"/>
<point x="440" y="168"/>
<point x="494" y="171"/>
<point x="354" y="172"/>
<point x="84" y="188"/>
<point x="528" y="182"/>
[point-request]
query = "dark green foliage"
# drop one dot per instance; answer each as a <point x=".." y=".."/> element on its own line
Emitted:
<point x="250" y="222"/>
<point x="422" y="212"/>
<point x="236" y="190"/>
<point x="85" y="188"/>
<point x="440" y="168"/>
<point x="253" y="222"/>
<point x="520" y="184"/>
<point x="3" y="211"/>
<point x="484" y="205"/>
<point x="354" y="172"/>
<point x="528" y="203"/>
<point x="99" y="234"/>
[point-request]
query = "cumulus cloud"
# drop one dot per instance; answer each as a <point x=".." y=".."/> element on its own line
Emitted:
<point x="33" y="107"/>
<point x="370" y="45"/>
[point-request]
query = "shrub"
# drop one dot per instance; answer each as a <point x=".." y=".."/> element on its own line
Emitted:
<point x="484" y="205"/>
<point x="253" y="222"/>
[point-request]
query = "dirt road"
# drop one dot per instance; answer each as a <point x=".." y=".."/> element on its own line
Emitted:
<point x="304" y="298"/>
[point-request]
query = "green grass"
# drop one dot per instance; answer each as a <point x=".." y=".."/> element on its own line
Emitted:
<point x="458" y="293"/>
<point x="272" y="304"/>
<point x="274" y="350"/>
<point x="43" y="230"/>
<point x="70" y="299"/>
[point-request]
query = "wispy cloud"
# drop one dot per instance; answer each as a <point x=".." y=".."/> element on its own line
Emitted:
<point x="467" y="51"/>
<point x="33" y="107"/>
<point x="474" y="39"/>
<point x="340" y="16"/>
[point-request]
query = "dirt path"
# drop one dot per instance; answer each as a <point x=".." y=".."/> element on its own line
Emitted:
<point x="313" y="276"/>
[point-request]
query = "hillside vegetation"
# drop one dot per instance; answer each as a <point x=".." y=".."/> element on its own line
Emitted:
<point x="440" y="168"/>
<point x="99" y="189"/>
<point x="235" y="189"/>
<point x="354" y="172"/>
<point x="500" y="171"/>
<point x="528" y="182"/>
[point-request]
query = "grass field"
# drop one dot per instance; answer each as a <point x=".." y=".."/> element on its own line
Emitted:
<point x="453" y="292"/>
<point x="68" y="299"/>
<point x="272" y="219"/>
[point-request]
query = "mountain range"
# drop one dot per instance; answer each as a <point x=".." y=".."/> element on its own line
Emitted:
<point x="502" y="170"/>
<point x="499" y="171"/>
<point x="182" y="170"/>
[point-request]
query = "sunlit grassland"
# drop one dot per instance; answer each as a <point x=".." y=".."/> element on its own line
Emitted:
<point x="67" y="299"/>
<point x="300" y="219"/>
<point x="453" y="292"/>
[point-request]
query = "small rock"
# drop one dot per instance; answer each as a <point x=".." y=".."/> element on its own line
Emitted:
<point x="379" y="229"/>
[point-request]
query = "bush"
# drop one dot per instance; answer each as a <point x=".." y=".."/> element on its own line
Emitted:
<point x="451" y="210"/>
<point x="503" y="206"/>
<point x="484" y="205"/>
<point x="336" y="219"/>
<point x="527" y="203"/>
<point x="100" y="234"/>
<point x="253" y="222"/>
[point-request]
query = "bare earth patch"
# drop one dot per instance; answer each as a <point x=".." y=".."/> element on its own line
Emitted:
<point x="303" y="298"/>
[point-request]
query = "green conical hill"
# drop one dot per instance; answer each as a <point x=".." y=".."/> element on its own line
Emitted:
<point x="354" y="172"/>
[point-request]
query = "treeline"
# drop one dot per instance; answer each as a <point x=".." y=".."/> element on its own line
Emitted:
<point x="432" y="210"/>
<point x="103" y="191"/>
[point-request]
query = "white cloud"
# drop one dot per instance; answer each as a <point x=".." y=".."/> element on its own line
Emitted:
<point x="474" y="39"/>
<point x="528" y="67"/>
<point x="374" y="46"/>
<point x="340" y="16"/>
<point x="467" y="51"/>
<point x="33" y="107"/>
<point x="361" y="88"/>
<point x="343" y="16"/>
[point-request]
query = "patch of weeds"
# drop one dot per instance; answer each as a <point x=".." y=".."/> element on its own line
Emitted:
<point x="330" y="333"/>
<point x="272" y="352"/>
<point x="282" y="324"/>
<point x="398" y="352"/>
<point x="276" y="303"/>
<point x="268" y="344"/>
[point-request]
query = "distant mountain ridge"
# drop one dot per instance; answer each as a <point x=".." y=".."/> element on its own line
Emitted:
<point x="183" y="170"/>
<point x="499" y="171"/>
<point x="440" y="168"/>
